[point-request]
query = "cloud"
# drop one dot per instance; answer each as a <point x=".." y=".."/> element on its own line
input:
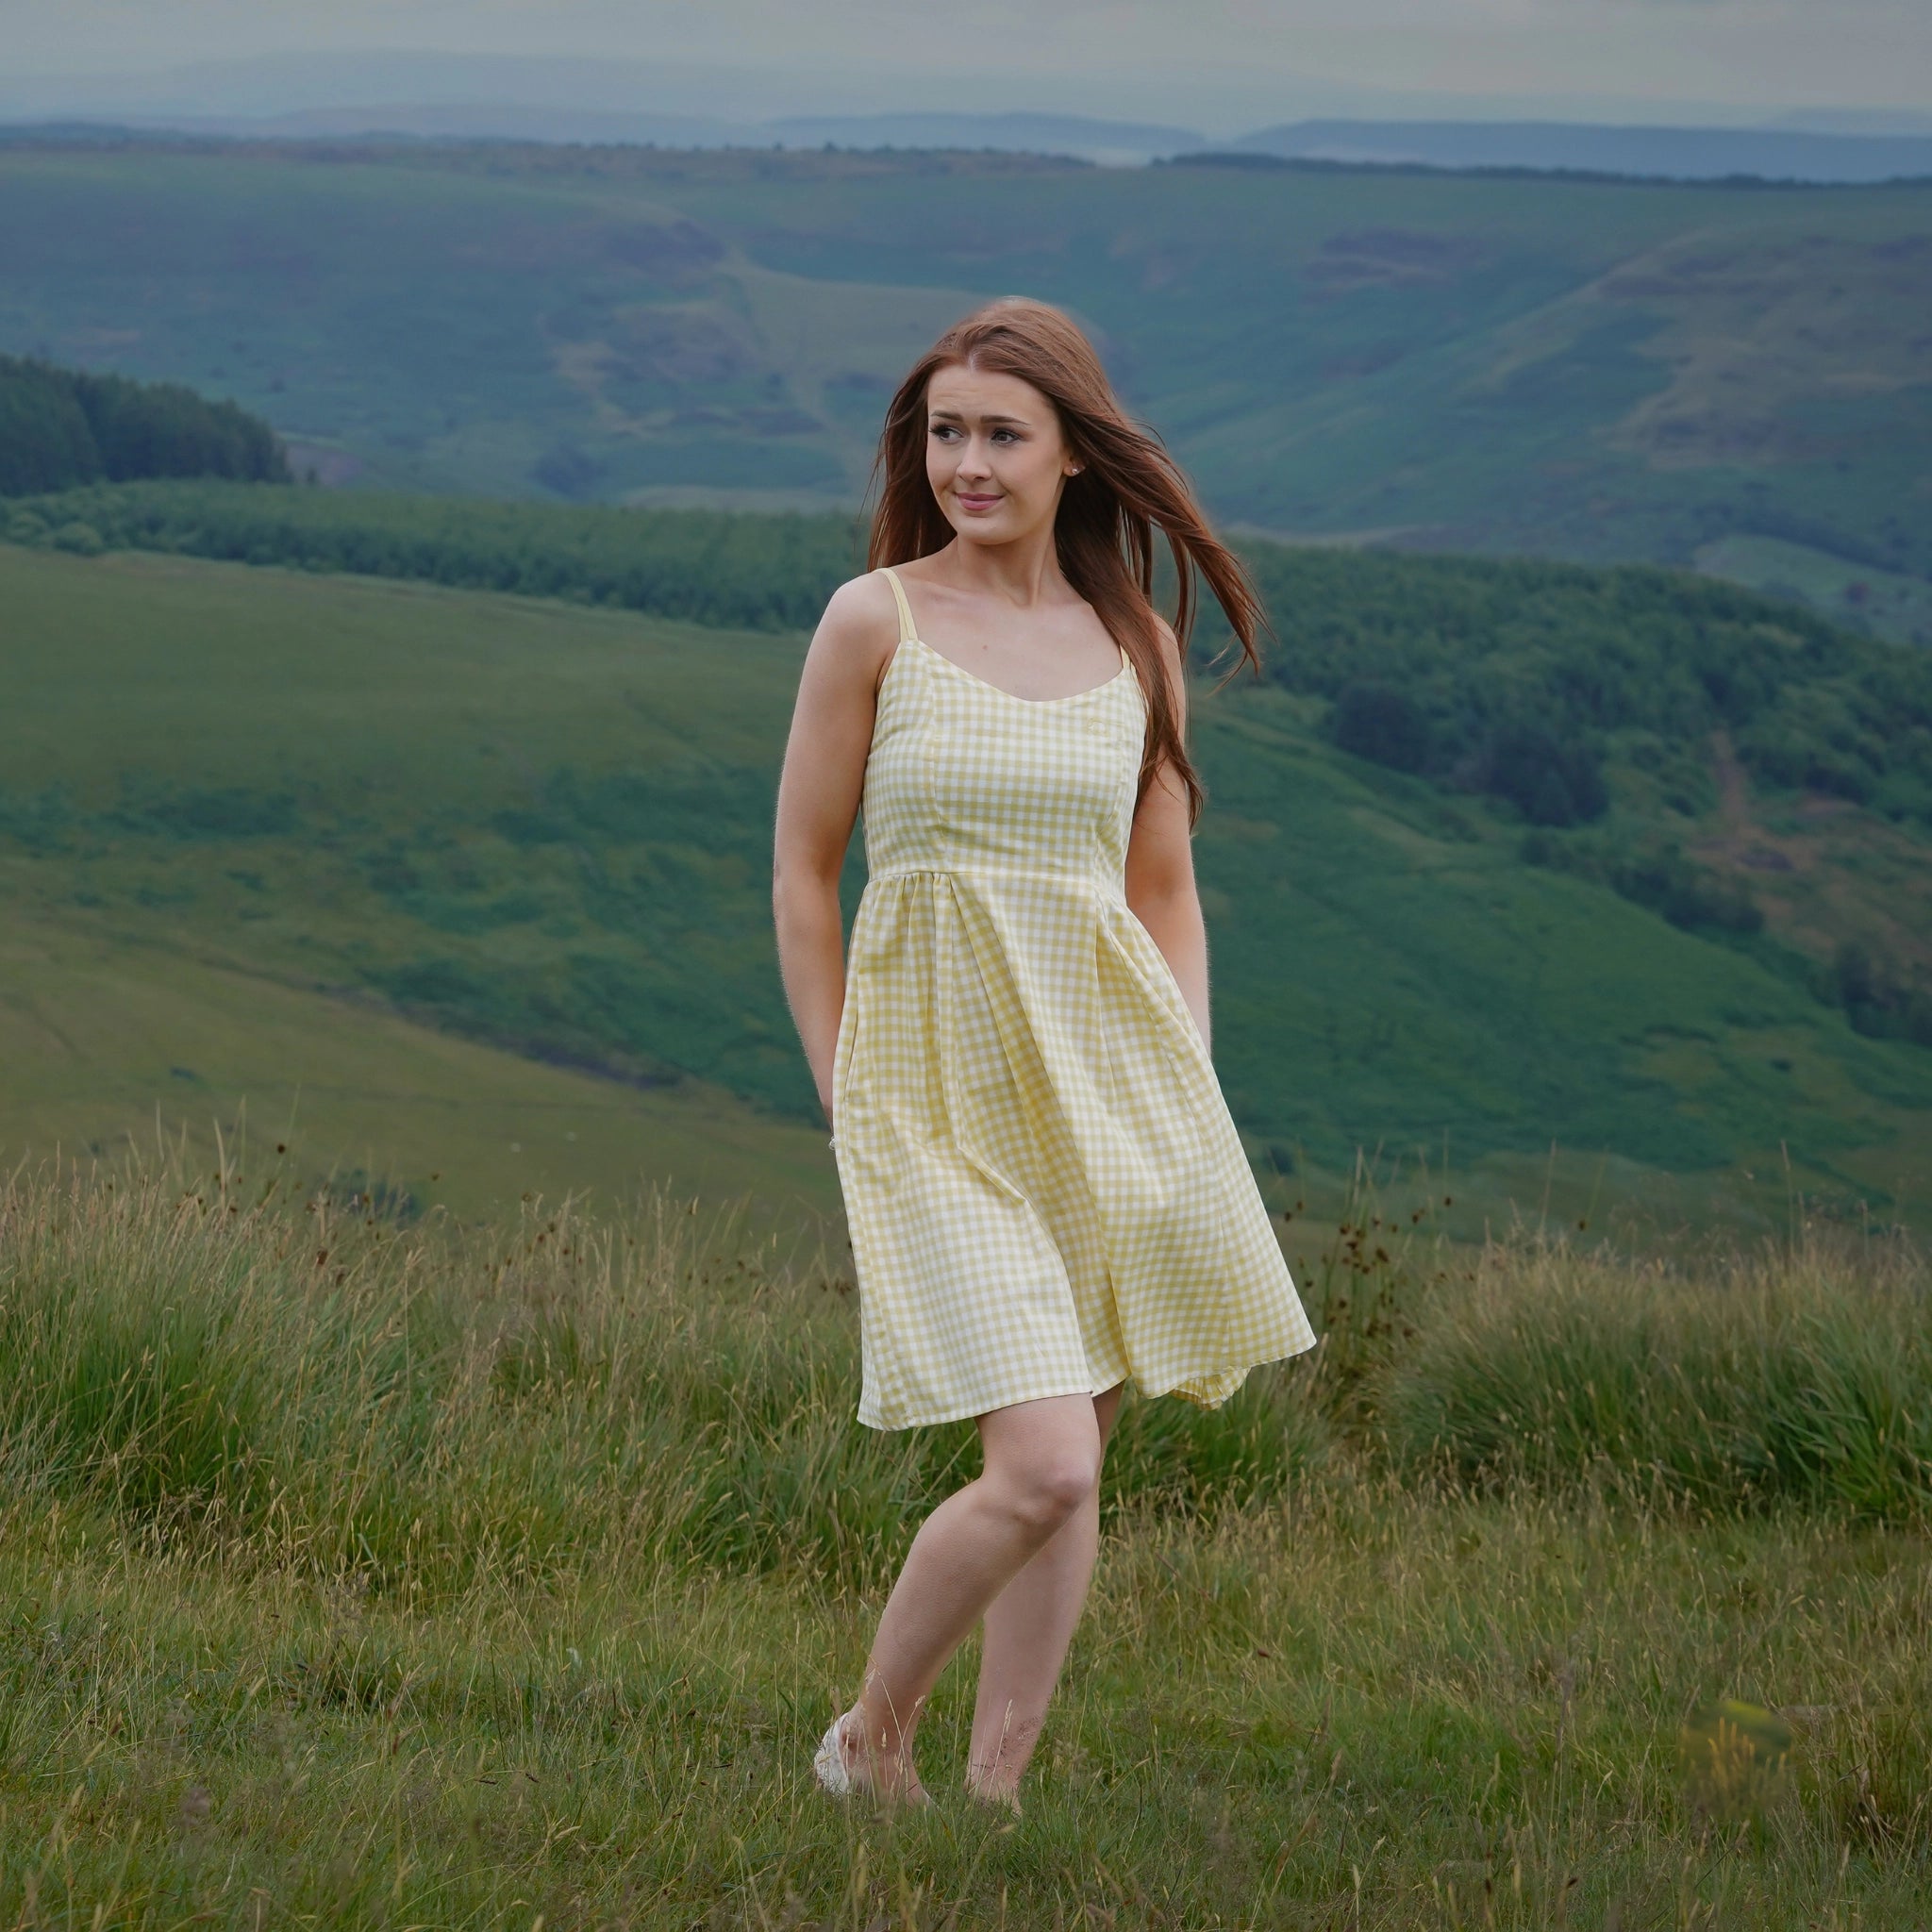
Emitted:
<point x="1750" y="53"/>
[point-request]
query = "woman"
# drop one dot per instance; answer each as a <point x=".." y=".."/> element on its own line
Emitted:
<point x="1044" y="1190"/>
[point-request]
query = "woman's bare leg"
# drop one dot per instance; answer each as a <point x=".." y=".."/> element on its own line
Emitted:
<point x="1042" y="1463"/>
<point x="1029" y="1627"/>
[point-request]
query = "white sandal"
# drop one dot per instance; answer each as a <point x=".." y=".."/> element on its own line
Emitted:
<point x="833" y="1772"/>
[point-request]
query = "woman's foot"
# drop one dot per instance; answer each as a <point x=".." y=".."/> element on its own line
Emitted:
<point x="843" y="1765"/>
<point x="995" y="1797"/>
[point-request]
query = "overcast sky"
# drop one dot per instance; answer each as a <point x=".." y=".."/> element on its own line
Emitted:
<point x="1196" y="58"/>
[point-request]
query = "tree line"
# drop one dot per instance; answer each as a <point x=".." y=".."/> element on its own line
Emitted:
<point x="1522" y="681"/>
<point x="711" y="567"/>
<point x="63" y="427"/>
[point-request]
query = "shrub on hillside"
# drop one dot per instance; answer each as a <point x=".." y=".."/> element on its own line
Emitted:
<point x="1876" y="999"/>
<point x="1685" y="895"/>
<point x="79" y="539"/>
<point x="1656" y="875"/>
<point x="1375" y="721"/>
<point x="1802" y="1375"/>
<point x="1549" y="781"/>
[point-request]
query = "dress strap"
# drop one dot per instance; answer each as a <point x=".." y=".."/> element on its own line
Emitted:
<point x="907" y="634"/>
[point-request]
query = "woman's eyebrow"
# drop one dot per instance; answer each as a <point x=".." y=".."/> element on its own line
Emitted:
<point x="991" y="416"/>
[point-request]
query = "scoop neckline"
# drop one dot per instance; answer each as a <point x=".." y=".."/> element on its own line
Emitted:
<point x="1071" y="697"/>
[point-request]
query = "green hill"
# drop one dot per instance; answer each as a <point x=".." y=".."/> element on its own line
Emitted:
<point x="332" y="810"/>
<point x="1594" y="369"/>
<point x="117" y="1029"/>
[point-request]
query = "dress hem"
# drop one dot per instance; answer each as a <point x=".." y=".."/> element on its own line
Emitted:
<point x="956" y="1415"/>
<point x="959" y="1415"/>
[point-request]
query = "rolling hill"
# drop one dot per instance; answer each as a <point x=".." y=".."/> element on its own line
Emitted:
<point x="1592" y="369"/>
<point x="477" y="870"/>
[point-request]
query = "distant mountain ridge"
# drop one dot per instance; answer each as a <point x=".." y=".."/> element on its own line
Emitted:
<point x="1118" y="142"/>
<point x="1687" y="153"/>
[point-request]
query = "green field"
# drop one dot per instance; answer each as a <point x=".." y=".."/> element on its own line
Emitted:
<point x="221" y="963"/>
<point x="479" y="874"/>
<point x="110" y="1038"/>
<point x="1583" y="367"/>
<point x="372" y="1576"/>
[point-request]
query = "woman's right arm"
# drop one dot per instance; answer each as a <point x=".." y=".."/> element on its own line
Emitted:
<point x="819" y="792"/>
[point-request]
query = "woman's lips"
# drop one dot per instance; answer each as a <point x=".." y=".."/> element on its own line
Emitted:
<point x="975" y="500"/>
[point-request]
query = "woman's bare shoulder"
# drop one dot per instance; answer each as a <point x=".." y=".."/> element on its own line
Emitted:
<point x="859" y="629"/>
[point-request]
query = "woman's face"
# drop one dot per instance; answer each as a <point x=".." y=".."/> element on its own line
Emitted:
<point x="994" y="453"/>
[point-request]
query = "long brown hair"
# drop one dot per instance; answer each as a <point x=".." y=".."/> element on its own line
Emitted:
<point x="1128" y="487"/>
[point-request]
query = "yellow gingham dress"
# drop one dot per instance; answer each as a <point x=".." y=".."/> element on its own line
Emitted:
<point x="1044" y="1191"/>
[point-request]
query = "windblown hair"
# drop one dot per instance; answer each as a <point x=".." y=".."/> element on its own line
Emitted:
<point x="1128" y="487"/>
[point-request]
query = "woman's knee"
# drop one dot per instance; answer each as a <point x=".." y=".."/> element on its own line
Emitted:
<point x="1046" y="1491"/>
<point x="1042" y="1458"/>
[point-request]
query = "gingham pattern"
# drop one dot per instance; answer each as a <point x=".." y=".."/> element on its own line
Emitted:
<point x="1045" y="1188"/>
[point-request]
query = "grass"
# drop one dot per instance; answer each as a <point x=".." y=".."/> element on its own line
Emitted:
<point x="1588" y="369"/>
<point x="1746" y="1385"/>
<point x="292" y="822"/>
<point x="364" y="1574"/>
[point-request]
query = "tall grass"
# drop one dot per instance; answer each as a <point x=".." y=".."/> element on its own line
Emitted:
<point x="1798" y="1371"/>
<point x="431" y="1404"/>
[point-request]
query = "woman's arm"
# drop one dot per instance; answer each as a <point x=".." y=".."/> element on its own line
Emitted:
<point x="819" y="792"/>
<point x="1161" y="867"/>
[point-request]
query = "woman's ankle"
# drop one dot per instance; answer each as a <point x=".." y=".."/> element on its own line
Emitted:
<point x="992" y="1792"/>
<point x="881" y="1756"/>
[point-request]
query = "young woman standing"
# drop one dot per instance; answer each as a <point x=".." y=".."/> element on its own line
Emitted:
<point x="1044" y="1190"/>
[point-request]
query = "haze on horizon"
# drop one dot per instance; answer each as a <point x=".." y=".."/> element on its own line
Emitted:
<point x="1218" y="63"/>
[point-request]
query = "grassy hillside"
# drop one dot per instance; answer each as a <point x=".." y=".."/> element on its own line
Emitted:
<point x="112" y="1036"/>
<point x="1585" y="368"/>
<point x="547" y="829"/>
<point x="208" y="900"/>
<point x="364" y="1576"/>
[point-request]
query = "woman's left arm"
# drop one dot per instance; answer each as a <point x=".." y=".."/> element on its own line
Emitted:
<point x="1160" y="866"/>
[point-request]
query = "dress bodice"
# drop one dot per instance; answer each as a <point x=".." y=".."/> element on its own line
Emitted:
<point x="965" y="776"/>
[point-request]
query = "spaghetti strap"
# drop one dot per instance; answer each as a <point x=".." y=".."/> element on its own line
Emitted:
<point x="906" y="633"/>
